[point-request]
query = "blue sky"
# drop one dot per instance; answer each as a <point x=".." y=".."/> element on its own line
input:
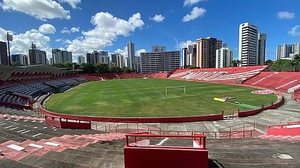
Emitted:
<point x="85" y="25"/>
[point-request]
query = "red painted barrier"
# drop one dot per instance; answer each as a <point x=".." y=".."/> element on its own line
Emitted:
<point x="162" y="156"/>
<point x="279" y="103"/>
<point x="76" y="125"/>
<point x="166" y="158"/>
<point x="283" y="131"/>
<point x="290" y="129"/>
<point x="57" y="122"/>
<point x="133" y="119"/>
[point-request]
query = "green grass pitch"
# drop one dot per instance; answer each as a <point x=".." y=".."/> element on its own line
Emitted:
<point x="147" y="98"/>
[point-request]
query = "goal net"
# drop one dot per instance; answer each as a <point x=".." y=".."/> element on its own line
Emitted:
<point x="175" y="90"/>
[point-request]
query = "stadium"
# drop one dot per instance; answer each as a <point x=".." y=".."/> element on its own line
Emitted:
<point x="225" y="117"/>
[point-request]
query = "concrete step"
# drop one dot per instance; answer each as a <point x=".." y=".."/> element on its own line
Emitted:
<point x="46" y="162"/>
<point x="7" y="163"/>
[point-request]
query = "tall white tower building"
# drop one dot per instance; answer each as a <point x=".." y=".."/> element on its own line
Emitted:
<point x="131" y="55"/>
<point x="283" y="51"/>
<point x="248" y="44"/>
<point x="224" y="57"/>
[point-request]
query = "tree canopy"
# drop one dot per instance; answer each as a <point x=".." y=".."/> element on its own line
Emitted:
<point x="284" y="65"/>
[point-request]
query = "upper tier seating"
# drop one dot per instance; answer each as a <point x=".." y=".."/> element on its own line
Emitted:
<point x="282" y="81"/>
<point x="69" y="81"/>
<point x="21" y="95"/>
<point x="223" y="75"/>
<point x="162" y="75"/>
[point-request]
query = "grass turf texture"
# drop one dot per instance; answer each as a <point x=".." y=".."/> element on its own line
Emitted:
<point x="147" y="98"/>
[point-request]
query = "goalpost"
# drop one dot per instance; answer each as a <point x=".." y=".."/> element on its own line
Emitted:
<point x="183" y="89"/>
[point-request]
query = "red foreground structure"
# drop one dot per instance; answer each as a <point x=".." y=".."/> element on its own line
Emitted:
<point x="290" y="129"/>
<point x="141" y="153"/>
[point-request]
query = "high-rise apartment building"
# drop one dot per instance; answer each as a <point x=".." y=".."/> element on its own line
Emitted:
<point x="97" y="57"/>
<point x="36" y="56"/>
<point x="90" y="59"/>
<point x="131" y="55"/>
<point x="183" y="59"/>
<point x="61" y="57"/>
<point x="80" y="60"/>
<point x="206" y="52"/>
<point x="287" y="51"/>
<point x="262" y="40"/>
<point x="117" y="60"/>
<point x="248" y="44"/>
<point x="3" y="53"/>
<point x="224" y="57"/>
<point x="191" y="54"/>
<point x="19" y="59"/>
<point x="283" y="51"/>
<point x="295" y="48"/>
<point x="138" y="64"/>
<point x="102" y="57"/>
<point x="159" y="60"/>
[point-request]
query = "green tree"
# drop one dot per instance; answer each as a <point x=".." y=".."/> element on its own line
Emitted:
<point x="75" y="65"/>
<point x="68" y="65"/>
<point x="235" y="63"/>
<point x="59" y="65"/>
<point x="102" y="68"/>
<point x="115" y="69"/>
<point x="268" y="62"/>
<point x="283" y="66"/>
<point x="88" y="68"/>
<point x="126" y="69"/>
<point x="296" y="62"/>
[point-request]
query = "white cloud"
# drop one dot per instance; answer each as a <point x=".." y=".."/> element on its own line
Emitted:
<point x="67" y="41"/>
<point x="107" y="29"/>
<point x="41" y="9"/>
<point x="72" y="30"/>
<point x="194" y="14"/>
<point x="125" y="53"/>
<point x="72" y="3"/>
<point x="191" y="2"/>
<point x="122" y="51"/>
<point x="138" y="52"/>
<point x="3" y="34"/>
<point x="283" y="15"/>
<point x="158" y="18"/>
<point x="295" y="31"/>
<point x="22" y="42"/>
<point x="47" y="29"/>
<point x="184" y="44"/>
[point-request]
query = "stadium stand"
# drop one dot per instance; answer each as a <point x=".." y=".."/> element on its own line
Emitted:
<point x="93" y="77"/>
<point x="27" y="141"/>
<point x="282" y="81"/>
<point x="159" y="75"/>
<point x="19" y="87"/>
<point x="296" y="95"/>
<point x="222" y="75"/>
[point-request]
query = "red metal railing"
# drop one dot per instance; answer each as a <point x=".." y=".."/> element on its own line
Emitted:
<point x="199" y="138"/>
<point x="244" y="130"/>
<point x="284" y="125"/>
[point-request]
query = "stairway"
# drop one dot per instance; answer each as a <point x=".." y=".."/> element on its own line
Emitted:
<point x="55" y="144"/>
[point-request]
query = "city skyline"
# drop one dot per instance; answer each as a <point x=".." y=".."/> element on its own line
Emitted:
<point x="81" y="27"/>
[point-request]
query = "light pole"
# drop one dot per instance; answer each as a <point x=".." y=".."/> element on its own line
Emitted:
<point x="9" y="38"/>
